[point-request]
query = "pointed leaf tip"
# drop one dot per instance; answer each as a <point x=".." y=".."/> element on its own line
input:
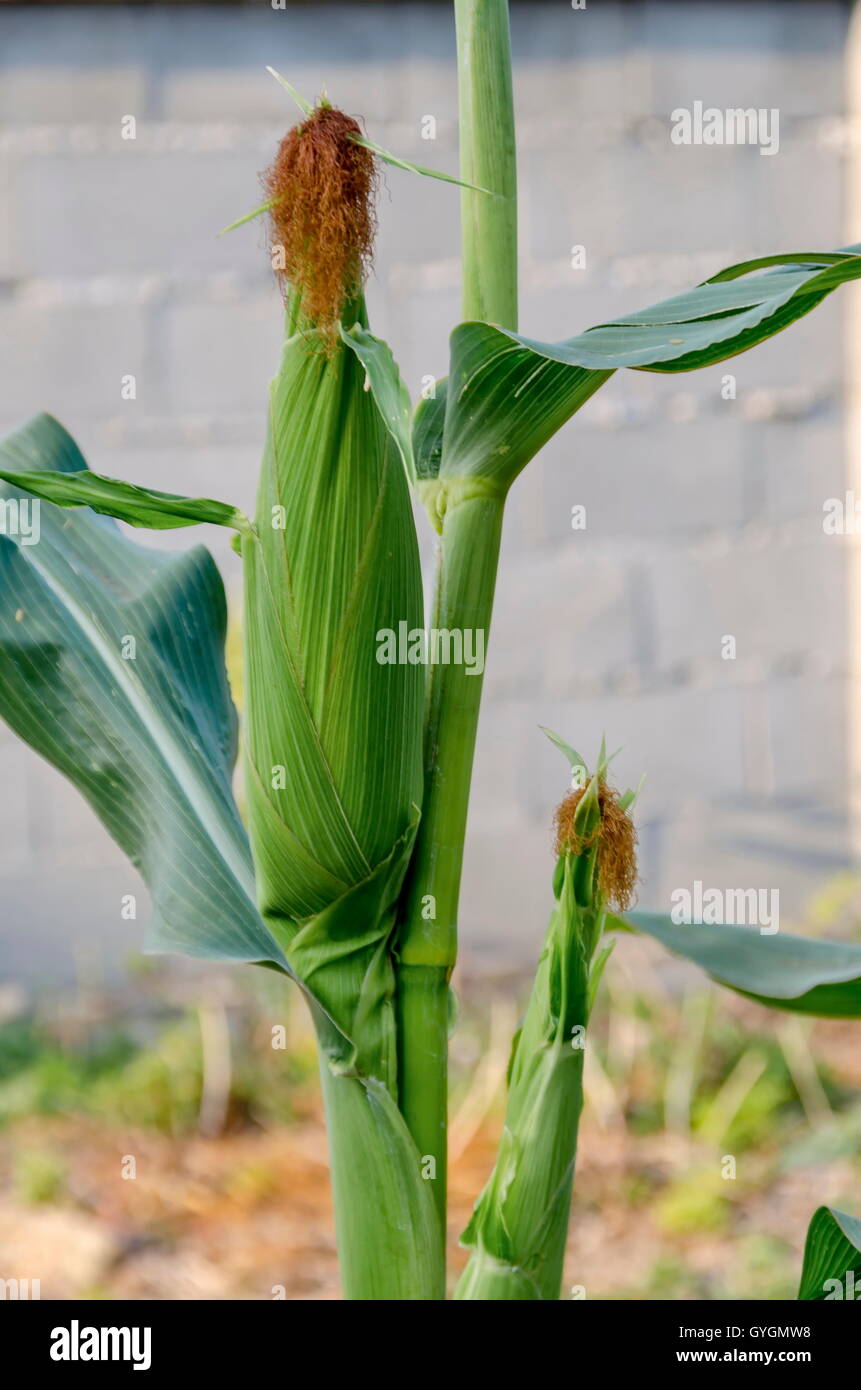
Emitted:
<point x="570" y="753"/>
<point x="300" y="101"/>
<point x="397" y="163"/>
<point x="248" y="217"/>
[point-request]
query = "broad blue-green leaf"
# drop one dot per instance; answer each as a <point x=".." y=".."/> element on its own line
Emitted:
<point x="111" y="667"/>
<point x="138" y="506"/>
<point x="832" y="1255"/>
<point x="504" y="401"/>
<point x="509" y="394"/>
<point x="783" y="971"/>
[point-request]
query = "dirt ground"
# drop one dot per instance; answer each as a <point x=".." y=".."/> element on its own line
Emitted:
<point x="697" y="1173"/>
<point x="248" y="1216"/>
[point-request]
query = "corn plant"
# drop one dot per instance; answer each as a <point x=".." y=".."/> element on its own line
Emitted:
<point x="357" y="760"/>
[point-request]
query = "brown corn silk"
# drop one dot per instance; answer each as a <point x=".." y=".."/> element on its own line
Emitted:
<point x="321" y="185"/>
<point x="616" y="837"/>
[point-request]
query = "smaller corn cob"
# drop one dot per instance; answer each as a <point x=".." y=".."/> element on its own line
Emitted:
<point x="518" y="1228"/>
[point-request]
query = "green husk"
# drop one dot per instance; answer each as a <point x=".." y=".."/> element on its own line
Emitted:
<point x="333" y="772"/>
<point x="518" y="1229"/>
<point x="333" y="737"/>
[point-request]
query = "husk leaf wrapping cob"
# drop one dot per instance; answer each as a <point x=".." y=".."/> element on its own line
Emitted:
<point x="333" y="745"/>
<point x="519" y="1226"/>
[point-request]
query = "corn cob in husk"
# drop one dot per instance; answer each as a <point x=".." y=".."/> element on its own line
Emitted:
<point x="333" y="743"/>
<point x="518" y="1229"/>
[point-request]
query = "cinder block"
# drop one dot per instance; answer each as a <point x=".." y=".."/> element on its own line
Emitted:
<point x="418" y="218"/>
<point x="420" y="323"/>
<point x="809" y="353"/>
<point x="687" y="742"/>
<point x="794" y="849"/>
<point x="70" y="359"/>
<point x="64" y="831"/>
<point x="62" y="927"/>
<point x="357" y="56"/>
<point x="802" y="463"/>
<point x="662" y="480"/>
<point x="228" y="474"/>
<point x="132" y="210"/>
<point x="9" y="187"/>
<point x="564" y="620"/>
<point x="496" y="803"/>
<point x="756" y="55"/>
<point x="640" y="198"/>
<point x="49" y="92"/>
<point x="814" y="765"/>
<point x="781" y="599"/>
<point x="506" y="897"/>
<point x="221" y="357"/>
<point x="798" y="193"/>
<point x="17" y="810"/>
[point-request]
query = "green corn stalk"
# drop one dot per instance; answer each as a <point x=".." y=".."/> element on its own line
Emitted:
<point x="469" y="513"/>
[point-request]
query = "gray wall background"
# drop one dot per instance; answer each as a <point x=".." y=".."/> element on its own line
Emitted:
<point x="704" y="515"/>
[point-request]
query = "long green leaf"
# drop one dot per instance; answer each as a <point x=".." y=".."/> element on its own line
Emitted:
<point x="111" y="667"/>
<point x="832" y="1256"/>
<point x="304" y="105"/>
<point x="139" y="506"/>
<point x="248" y="216"/>
<point x="387" y="387"/>
<point x="508" y="394"/>
<point x="397" y="163"/>
<point x="787" y="972"/>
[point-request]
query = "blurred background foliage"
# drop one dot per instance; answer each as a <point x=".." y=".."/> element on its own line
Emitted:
<point x="712" y="1129"/>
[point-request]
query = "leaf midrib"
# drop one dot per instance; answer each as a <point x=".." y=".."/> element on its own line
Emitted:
<point x="170" y="750"/>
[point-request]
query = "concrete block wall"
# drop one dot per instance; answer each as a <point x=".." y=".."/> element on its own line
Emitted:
<point x="703" y="514"/>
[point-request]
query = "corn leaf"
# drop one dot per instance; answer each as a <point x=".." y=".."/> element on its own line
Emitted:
<point x="388" y="389"/>
<point x="571" y="754"/>
<point x="832" y="1254"/>
<point x="508" y="394"/>
<point x="306" y="107"/>
<point x="248" y="216"/>
<point x="111" y="668"/>
<point x="139" y="506"/>
<point x="428" y="427"/>
<point x="397" y="163"/>
<point x="784" y="971"/>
